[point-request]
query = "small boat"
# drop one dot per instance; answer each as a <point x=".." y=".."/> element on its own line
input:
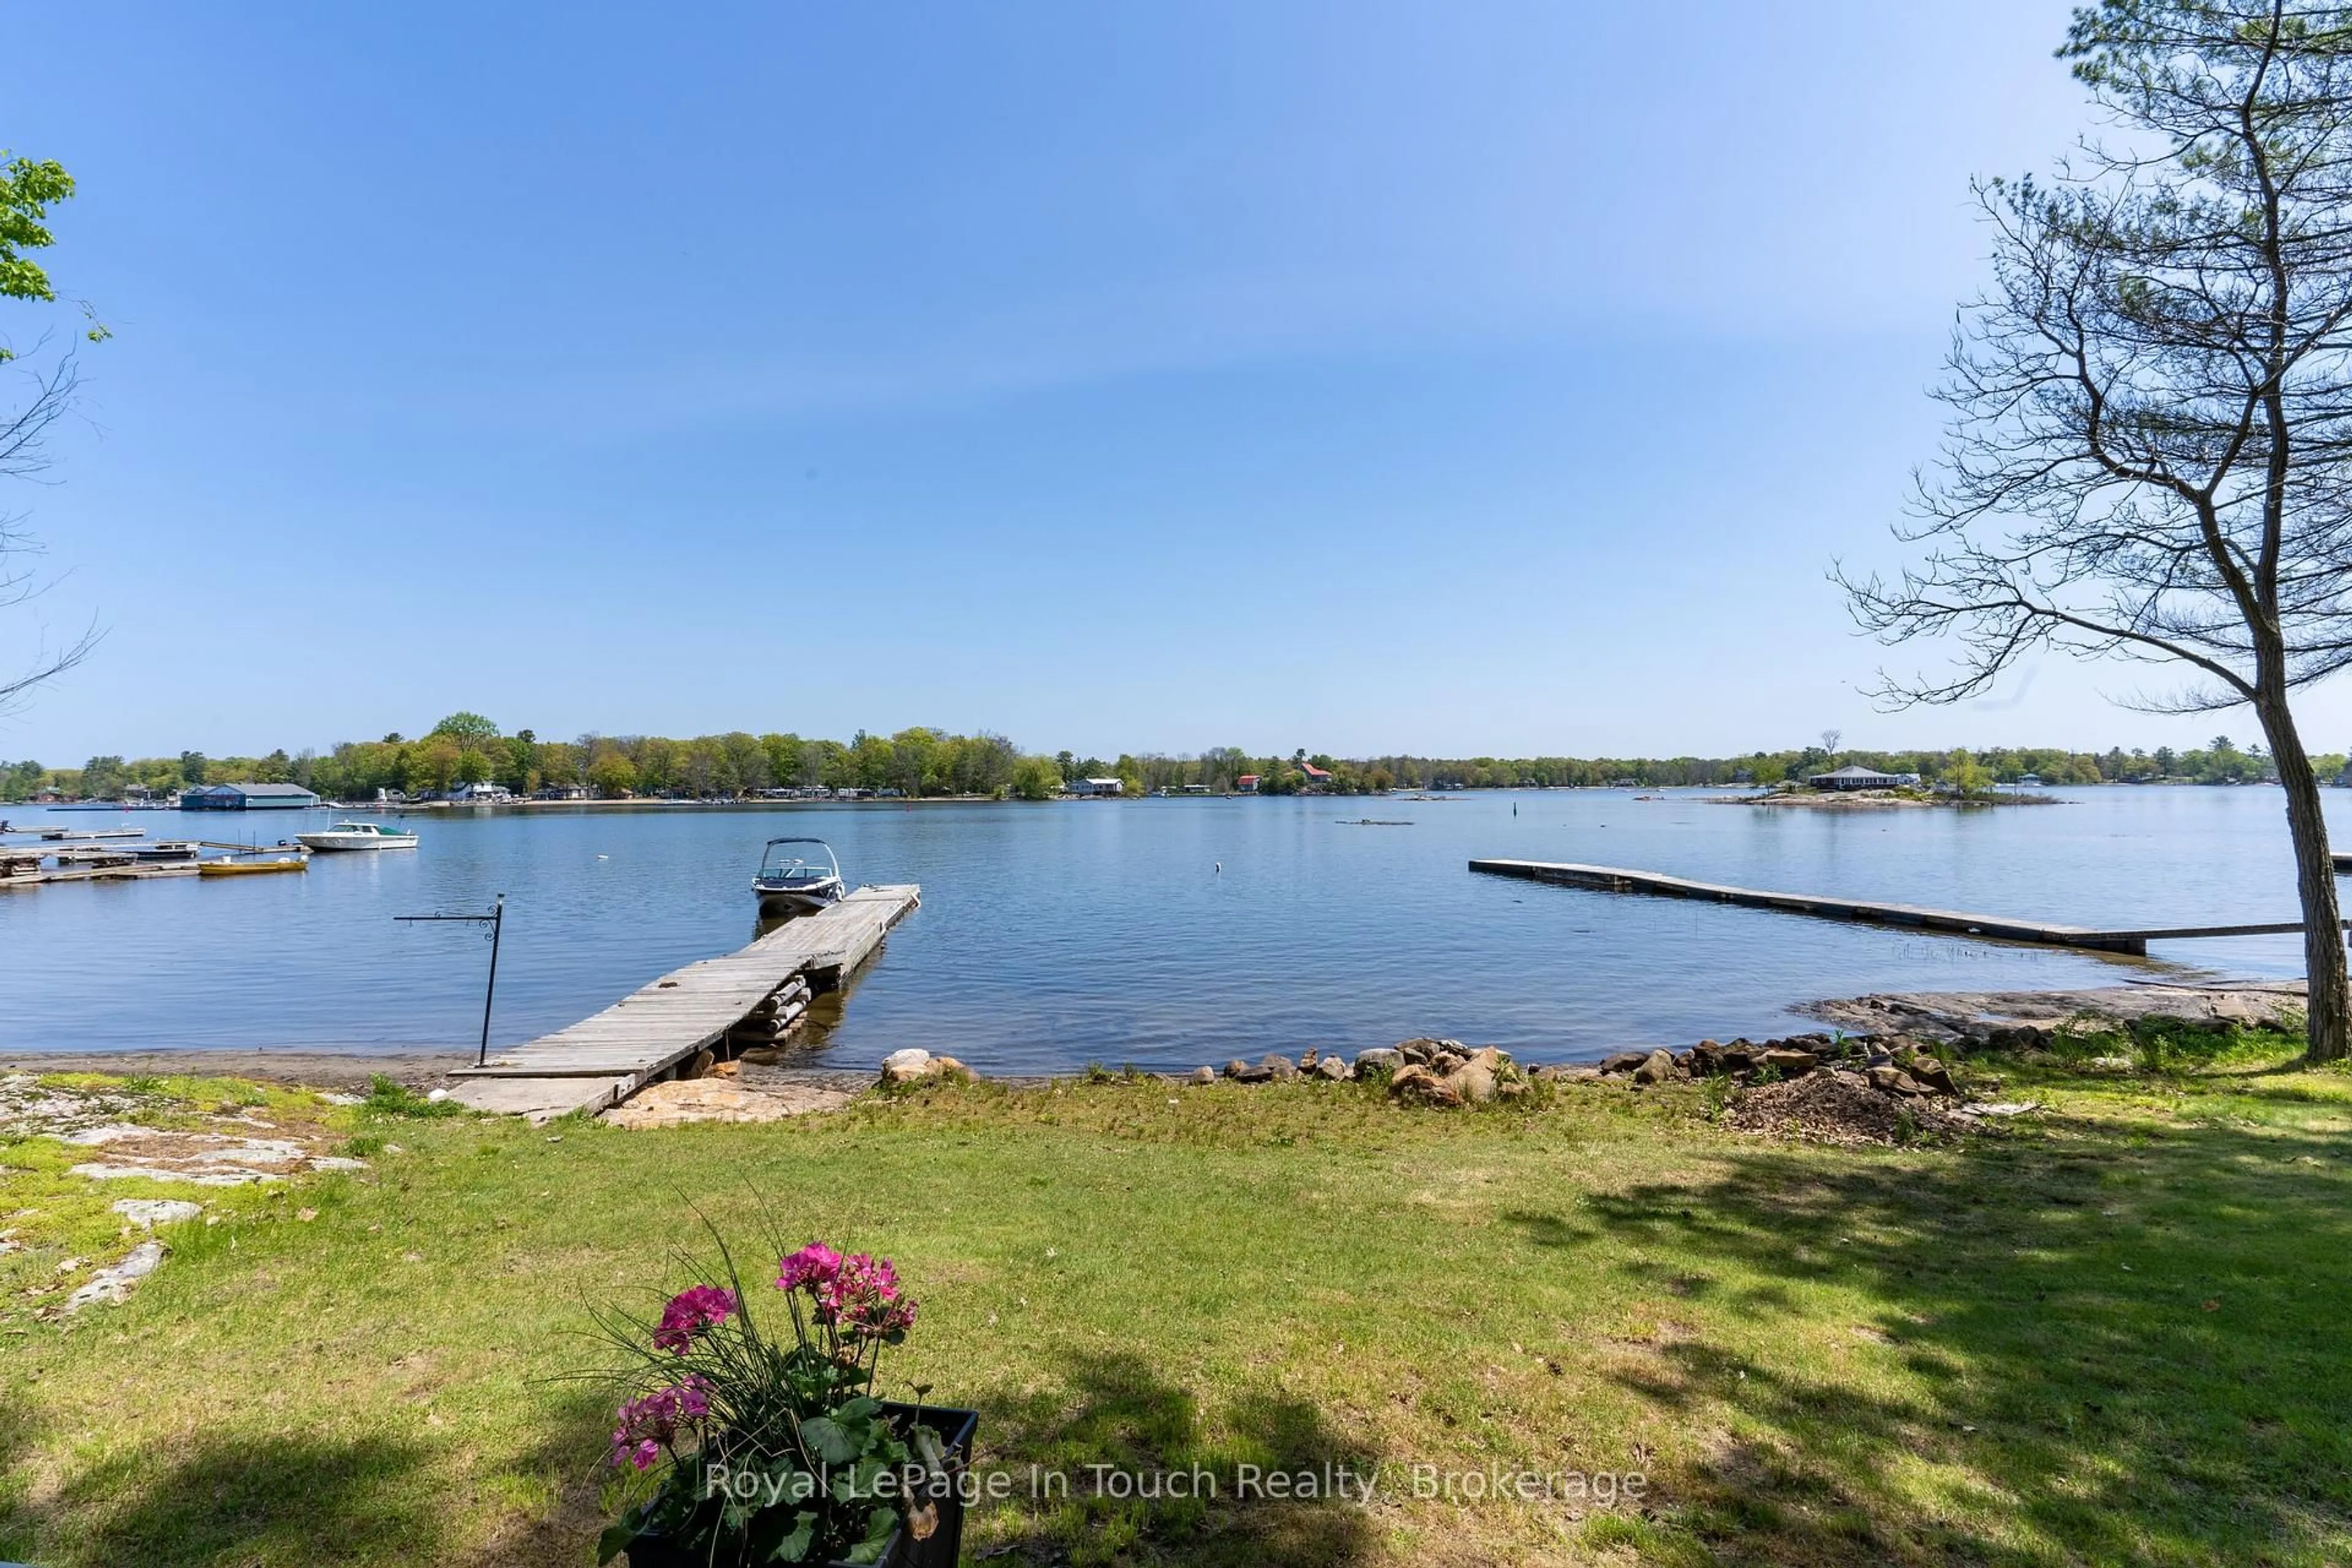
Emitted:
<point x="795" y="879"/>
<point x="166" y="850"/>
<point x="253" y="867"/>
<point x="358" y="836"/>
<point x="94" y="855"/>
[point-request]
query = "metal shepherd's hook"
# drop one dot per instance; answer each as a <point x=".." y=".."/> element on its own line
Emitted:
<point x="496" y="921"/>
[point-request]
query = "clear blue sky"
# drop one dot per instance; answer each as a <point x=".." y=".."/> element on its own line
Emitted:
<point x="1366" y="377"/>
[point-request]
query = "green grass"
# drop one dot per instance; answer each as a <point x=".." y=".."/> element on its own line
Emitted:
<point x="2114" y="1336"/>
<point x="66" y="1225"/>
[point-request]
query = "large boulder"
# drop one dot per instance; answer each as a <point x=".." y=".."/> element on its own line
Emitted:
<point x="1656" y="1067"/>
<point x="1241" y="1071"/>
<point x="1416" y="1082"/>
<point x="1624" y="1062"/>
<point x="1894" y="1081"/>
<point x="1426" y="1048"/>
<point x="1333" y="1067"/>
<point x="1204" y="1075"/>
<point x="1378" y="1059"/>
<point x="1790" y="1063"/>
<point x="1474" y="1080"/>
<point x="907" y="1066"/>
<point x="1934" y="1074"/>
<point x="914" y="1064"/>
<point x="1278" y="1066"/>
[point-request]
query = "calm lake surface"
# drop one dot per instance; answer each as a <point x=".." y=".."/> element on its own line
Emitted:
<point x="1051" y="936"/>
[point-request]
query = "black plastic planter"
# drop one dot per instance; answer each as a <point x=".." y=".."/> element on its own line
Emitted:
<point x="939" y="1550"/>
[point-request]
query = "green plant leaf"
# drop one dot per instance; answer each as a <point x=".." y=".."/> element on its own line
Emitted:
<point x="794" y="1546"/>
<point x="828" y="1441"/>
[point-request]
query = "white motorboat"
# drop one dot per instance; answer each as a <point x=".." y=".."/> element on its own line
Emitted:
<point x="798" y="875"/>
<point x="358" y="836"/>
<point x="168" y="849"/>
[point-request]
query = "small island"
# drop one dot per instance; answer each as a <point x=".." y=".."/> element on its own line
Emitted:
<point x="1858" y="788"/>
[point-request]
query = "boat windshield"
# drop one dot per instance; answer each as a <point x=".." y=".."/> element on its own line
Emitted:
<point x="798" y="862"/>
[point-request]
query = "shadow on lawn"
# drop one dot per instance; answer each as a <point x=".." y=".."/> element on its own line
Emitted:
<point x="235" y="1499"/>
<point x="214" y="1500"/>
<point x="1114" y="1411"/>
<point x="2121" y="1344"/>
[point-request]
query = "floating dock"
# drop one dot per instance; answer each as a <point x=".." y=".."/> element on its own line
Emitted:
<point x="20" y="865"/>
<point x="603" y="1059"/>
<point x="1999" y="928"/>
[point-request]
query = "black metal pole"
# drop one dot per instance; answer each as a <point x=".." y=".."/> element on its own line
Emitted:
<point x="496" y="920"/>
<point x="497" y="923"/>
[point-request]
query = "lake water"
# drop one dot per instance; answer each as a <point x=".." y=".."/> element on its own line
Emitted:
<point x="1055" y="935"/>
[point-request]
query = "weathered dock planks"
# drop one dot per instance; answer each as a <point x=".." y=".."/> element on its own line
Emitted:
<point x="608" y="1057"/>
<point x="1617" y="879"/>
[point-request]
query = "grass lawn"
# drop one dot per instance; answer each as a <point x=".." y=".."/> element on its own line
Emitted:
<point x="2115" y="1335"/>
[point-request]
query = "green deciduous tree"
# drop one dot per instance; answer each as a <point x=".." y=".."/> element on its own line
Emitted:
<point x="467" y="728"/>
<point x="1037" y="778"/>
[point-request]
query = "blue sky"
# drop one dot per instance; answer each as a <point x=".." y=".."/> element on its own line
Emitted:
<point x="1367" y="377"/>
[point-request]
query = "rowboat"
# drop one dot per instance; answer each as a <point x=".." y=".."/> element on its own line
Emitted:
<point x="253" y="867"/>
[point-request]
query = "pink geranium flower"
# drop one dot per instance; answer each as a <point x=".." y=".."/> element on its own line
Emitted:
<point x="691" y="1311"/>
<point x="812" y="1268"/>
<point x="649" y="1422"/>
<point x="865" y="1299"/>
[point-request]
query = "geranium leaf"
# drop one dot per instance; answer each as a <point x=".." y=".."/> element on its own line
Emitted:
<point x="796" y="1545"/>
<point x="828" y="1441"/>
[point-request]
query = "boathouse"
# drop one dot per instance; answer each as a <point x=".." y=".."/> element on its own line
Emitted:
<point x="248" y="797"/>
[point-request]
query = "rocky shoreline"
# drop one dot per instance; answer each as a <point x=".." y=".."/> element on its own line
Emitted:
<point x="1890" y="1048"/>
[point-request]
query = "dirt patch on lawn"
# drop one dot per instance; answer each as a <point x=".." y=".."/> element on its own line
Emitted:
<point x="1832" y="1108"/>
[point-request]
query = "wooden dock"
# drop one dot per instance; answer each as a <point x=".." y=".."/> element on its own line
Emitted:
<point x="1999" y="928"/>
<point x="603" y="1059"/>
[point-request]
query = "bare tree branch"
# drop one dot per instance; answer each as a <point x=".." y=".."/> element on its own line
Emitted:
<point x="2149" y="455"/>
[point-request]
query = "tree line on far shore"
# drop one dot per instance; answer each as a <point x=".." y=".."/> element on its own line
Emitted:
<point x="467" y="748"/>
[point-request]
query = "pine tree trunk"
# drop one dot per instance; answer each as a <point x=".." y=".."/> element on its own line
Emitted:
<point x="2330" y="1004"/>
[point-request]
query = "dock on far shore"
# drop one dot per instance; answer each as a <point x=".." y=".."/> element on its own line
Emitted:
<point x="1998" y="927"/>
<point x="705" y="1007"/>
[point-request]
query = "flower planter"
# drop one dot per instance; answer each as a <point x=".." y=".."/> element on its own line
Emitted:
<point x="941" y="1549"/>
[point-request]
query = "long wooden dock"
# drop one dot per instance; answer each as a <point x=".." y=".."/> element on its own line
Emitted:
<point x="2000" y="928"/>
<point x="604" y="1059"/>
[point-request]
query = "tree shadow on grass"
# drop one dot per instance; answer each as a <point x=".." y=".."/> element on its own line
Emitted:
<point x="1114" y="1411"/>
<point x="242" y="1499"/>
<point x="217" y="1499"/>
<point x="2107" y="1346"/>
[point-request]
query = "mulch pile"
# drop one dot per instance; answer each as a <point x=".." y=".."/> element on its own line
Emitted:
<point x="1833" y="1107"/>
